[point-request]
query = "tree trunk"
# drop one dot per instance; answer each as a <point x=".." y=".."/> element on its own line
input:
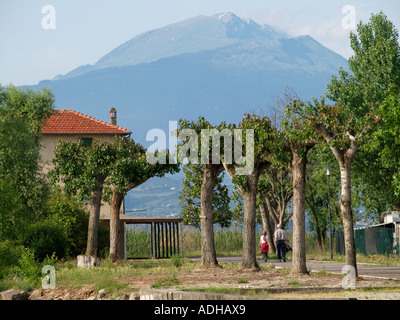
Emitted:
<point x="249" y="222"/>
<point x="344" y="159"/>
<point x="115" y="232"/>
<point x="208" y="253"/>
<point x="95" y="205"/>
<point x="299" y="191"/>
<point x="347" y="213"/>
<point x="268" y="225"/>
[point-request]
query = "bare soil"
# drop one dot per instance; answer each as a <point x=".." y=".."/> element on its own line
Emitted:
<point x="198" y="277"/>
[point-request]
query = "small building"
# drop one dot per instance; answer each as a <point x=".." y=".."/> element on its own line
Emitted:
<point x="382" y="238"/>
<point x="73" y="126"/>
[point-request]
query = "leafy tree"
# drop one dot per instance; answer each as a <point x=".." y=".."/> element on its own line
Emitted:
<point x="197" y="135"/>
<point x="31" y="106"/>
<point x="25" y="189"/>
<point x="83" y="171"/>
<point x="300" y="137"/>
<point x="375" y="66"/>
<point x="257" y="149"/>
<point x="72" y="216"/>
<point x="376" y="69"/>
<point x="129" y="170"/>
<point x="384" y="141"/>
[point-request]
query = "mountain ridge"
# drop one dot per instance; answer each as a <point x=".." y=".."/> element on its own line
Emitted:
<point x="218" y="66"/>
<point x="188" y="36"/>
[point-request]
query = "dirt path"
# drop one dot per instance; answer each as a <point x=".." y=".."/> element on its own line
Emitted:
<point x="365" y="270"/>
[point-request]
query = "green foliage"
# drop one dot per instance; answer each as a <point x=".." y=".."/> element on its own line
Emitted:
<point x="23" y="190"/>
<point x="317" y="188"/>
<point x="29" y="269"/>
<point x="19" y="159"/>
<point x="28" y="105"/>
<point x="11" y="211"/>
<point x="385" y="143"/>
<point x="44" y="238"/>
<point x="82" y="168"/>
<point x="371" y="92"/>
<point x="10" y="253"/>
<point x="72" y="217"/>
<point x="18" y="262"/>
<point x="375" y="65"/>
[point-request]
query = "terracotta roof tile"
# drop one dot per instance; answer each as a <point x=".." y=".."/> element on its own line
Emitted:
<point x="73" y="122"/>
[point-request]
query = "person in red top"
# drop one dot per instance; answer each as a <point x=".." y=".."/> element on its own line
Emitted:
<point x="264" y="245"/>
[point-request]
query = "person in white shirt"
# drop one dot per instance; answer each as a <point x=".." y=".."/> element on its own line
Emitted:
<point x="280" y="241"/>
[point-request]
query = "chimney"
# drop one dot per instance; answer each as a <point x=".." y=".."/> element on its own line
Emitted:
<point x="113" y="116"/>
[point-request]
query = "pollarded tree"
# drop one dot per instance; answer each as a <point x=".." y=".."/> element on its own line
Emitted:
<point x="83" y="170"/>
<point x="129" y="169"/>
<point x="196" y="136"/>
<point x="299" y="137"/>
<point x="255" y="149"/>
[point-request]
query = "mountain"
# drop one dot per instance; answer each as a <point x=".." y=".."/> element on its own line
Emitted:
<point x="219" y="67"/>
<point x="189" y="36"/>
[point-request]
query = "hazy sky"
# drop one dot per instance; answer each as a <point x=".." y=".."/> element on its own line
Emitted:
<point x="84" y="31"/>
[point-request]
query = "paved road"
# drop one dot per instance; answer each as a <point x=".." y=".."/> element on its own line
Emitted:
<point x="390" y="272"/>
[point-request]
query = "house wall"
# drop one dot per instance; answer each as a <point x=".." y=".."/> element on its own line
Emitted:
<point x="49" y="143"/>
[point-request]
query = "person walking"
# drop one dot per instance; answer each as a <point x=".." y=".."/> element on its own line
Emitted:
<point x="280" y="241"/>
<point x="264" y="245"/>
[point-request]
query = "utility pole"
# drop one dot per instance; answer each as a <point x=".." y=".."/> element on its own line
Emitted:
<point x="328" y="173"/>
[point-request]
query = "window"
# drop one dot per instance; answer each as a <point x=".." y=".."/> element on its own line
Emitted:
<point x="87" y="142"/>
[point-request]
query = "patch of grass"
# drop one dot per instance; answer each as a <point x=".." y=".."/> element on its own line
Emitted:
<point x="112" y="287"/>
<point x="166" y="282"/>
<point x="295" y="284"/>
<point x="385" y="260"/>
<point x="322" y="272"/>
<point x="177" y="260"/>
<point x="242" y="280"/>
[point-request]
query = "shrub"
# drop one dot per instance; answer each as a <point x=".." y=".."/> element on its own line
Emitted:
<point x="73" y="218"/>
<point x="10" y="254"/>
<point x="45" y="238"/>
<point x="29" y="269"/>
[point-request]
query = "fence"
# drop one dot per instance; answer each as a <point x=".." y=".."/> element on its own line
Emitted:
<point x="377" y="240"/>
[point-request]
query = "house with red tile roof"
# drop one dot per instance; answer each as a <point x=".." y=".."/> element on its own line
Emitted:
<point x="70" y="125"/>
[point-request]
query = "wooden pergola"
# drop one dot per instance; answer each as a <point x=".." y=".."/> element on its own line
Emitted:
<point x="166" y="234"/>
